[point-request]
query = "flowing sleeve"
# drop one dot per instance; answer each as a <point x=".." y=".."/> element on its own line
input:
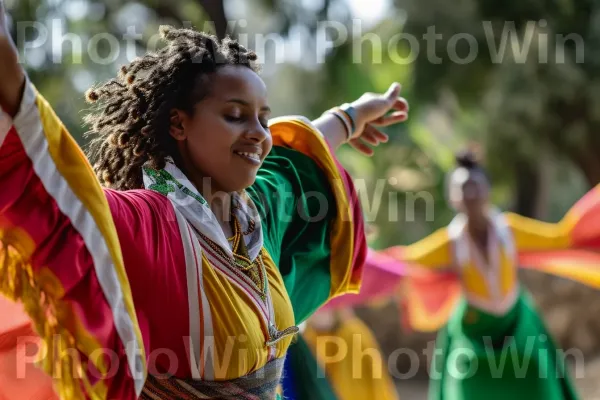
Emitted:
<point x="433" y="252"/>
<point x="430" y="289"/>
<point x="570" y="248"/>
<point x="19" y="378"/>
<point x="382" y="276"/>
<point x="312" y="219"/>
<point x="531" y="234"/>
<point x="60" y="257"/>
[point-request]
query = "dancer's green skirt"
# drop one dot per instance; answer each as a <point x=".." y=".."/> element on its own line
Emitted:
<point x="480" y="356"/>
<point x="303" y="377"/>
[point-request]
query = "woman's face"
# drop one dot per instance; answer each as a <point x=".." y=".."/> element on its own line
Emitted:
<point x="226" y="138"/>
<point x="469" y="192"/>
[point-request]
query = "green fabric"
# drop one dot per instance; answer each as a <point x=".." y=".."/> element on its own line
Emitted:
<point x="467" y="364"/>
<point x="311" y="382"/>
<point x="296" y="205"/>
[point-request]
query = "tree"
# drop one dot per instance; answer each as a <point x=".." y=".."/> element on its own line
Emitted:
<point x="537" y="92"/>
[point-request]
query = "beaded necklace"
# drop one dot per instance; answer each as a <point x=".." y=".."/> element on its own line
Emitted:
<point x="240" y="263"/>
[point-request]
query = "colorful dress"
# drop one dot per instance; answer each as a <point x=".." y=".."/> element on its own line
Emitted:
<point x="140" y="288"/>
<point x="492" y="343"/>
<point x="348" y="363"/>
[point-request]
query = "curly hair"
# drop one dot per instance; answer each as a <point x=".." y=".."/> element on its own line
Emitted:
<point x="466" y="159"/>
<point x="130" y="126"/>
<point x="469" y="159"/>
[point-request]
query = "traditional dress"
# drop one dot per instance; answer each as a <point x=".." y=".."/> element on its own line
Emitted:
<point x="492" y="343"/>
<point x="144" y="282"/>
<point x="344" y="361"/>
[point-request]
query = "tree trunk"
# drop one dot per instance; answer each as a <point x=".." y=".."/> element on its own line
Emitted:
<point x="590" y="166"/>
<point x="216" y="12"/>
<point x="546" y="173"/>
<point x="527" y="186"/>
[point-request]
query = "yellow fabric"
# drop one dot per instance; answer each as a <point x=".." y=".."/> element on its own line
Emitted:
<point x="301" y="136"/>
<point x="360" y="371"/>
<point x="433" y="252"/>
<point x="547" y="247"/>
<point x="574" y="268"/>
<point x="508" y="274"/>
<point x="420" y="317"/>
<point x="474" y="283"/>
<point x="530" y="234"/>
<point x="237" y="327"/>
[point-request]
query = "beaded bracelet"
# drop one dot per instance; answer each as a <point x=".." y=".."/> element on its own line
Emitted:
<point x="344" y="119"/>
<point x="351" y="114"/>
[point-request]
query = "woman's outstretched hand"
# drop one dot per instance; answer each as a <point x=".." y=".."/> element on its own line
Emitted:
<point x="12" y="76"/>
<point x="375" y="110"/>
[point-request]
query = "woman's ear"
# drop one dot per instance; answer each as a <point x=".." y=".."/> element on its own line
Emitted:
<point x="176" y="128"/>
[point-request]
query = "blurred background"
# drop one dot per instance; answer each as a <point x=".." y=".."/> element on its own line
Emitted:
<point x="516" y="80"/>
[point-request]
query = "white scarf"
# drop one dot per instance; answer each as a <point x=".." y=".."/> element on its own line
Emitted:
<point x="184" y="196"/>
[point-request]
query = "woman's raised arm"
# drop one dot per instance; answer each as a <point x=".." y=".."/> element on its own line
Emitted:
<point x="12" y="76"/>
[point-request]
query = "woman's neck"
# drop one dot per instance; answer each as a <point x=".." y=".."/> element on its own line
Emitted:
<point x="221" y="204"/>
<point x="478" y="228"/>
<point x="219" y="201"/>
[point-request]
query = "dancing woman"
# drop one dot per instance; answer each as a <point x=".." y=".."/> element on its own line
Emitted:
<point x="506" y="351"/>
<point x="179" y="265"/>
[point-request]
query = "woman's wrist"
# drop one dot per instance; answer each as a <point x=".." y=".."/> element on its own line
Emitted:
<point x="12" y="74"/>
<point x="347" y="115"/>
<point x="333" y="128"/>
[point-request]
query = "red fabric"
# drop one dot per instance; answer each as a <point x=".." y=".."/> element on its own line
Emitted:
<point x="360" y="240"/>
<point x="586" y="232"/>
<point x="13" y="316"/>
<point x="152" y="253"/>
<point x="20" y="379"/>
<point x="59" y="248"/>
<point x="381" y="278"/>
<point x="155" y="263"/>
<point x="13" y="324"/>
<point x="581" y="261"/>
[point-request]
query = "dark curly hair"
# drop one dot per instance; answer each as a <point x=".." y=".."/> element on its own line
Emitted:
<point x="466" y="159"/>
<point x="131" y="124"/>
<point x="469" y="159"/>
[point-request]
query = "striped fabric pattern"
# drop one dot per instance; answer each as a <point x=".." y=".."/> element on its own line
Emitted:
<point x="260" y="385"/>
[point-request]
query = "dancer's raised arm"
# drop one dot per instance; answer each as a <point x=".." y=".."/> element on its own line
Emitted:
<point x="12" y="76"/>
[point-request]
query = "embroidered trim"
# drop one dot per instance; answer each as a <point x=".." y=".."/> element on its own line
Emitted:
<point x="164" y="185"/>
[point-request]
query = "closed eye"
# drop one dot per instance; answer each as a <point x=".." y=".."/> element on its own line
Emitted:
<point x="264" y="122"/>
<point x="231" y="118"/>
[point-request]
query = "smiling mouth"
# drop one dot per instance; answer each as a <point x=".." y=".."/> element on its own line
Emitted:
<point x="252" y="157"/>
